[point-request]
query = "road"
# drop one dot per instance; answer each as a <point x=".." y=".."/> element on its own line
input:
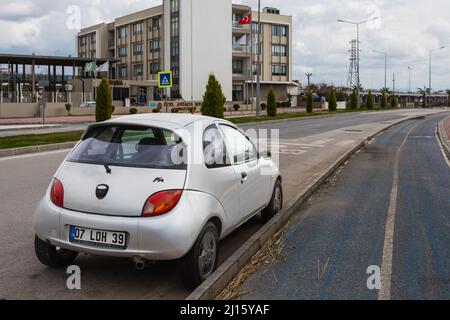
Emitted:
<point x="389" y="207"/>
<point x="25" y="178"/>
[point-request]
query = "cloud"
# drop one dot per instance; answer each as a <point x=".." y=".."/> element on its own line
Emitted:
<point x="405" y="29"/>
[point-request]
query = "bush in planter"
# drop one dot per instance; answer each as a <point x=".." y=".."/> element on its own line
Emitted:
<point x="271" y="104"/>
<point x="156" y="110"/>
<point x="68" y="107"/>
<point x="133" y="111"/>
<point x="236" y="107"/>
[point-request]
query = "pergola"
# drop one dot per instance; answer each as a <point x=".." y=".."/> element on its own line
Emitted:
<point x="51" y="62"/>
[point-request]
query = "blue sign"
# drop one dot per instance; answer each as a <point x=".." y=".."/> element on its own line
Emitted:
<point x="165" y="79"/>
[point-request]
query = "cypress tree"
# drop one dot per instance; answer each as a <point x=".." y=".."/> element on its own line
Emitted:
<point x="332" y="103"/>
<point x="309" y="102"/>
<point x="271" y="104"/>
<point x="369" y="102"/>
<point x="213" y="104"/>
<point x="103" y="102"/>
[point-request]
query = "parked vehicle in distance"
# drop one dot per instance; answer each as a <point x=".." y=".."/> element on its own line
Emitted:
<point x="156" y="187"/>
<point x="90" y="104"/>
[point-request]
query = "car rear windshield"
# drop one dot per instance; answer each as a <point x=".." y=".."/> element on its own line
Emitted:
<point x="130" y="146"/>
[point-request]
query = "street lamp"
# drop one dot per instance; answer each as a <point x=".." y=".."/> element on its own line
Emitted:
<point x="409" y="83"/>
<point x="429" y="82"/>
<point x="357" y="24"/>
<point x="385" y="66"/>
<point x="258" y="62"/>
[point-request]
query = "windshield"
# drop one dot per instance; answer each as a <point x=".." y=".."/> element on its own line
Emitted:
<point x="130" y="146"/>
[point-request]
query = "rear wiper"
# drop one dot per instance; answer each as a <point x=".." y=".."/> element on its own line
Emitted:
<point x="108" y="169"/>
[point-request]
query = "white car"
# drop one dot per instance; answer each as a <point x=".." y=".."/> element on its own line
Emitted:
<point x="155" y="187"/>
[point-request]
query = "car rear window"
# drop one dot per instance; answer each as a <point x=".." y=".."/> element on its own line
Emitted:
<point x="130" y="146"/>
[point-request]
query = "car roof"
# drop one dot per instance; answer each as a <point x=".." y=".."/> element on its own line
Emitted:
<point x="172" y="120"/>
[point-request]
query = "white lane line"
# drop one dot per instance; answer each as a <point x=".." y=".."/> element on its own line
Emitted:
<point x="442" y="148"/>
<point x="36" y="154"/>
<point x="388" y="248"/>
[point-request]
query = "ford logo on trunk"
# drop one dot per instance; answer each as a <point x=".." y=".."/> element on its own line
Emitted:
<point x="101" y="191"/>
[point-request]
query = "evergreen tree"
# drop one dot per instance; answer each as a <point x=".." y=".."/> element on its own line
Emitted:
<point x="104" y="109"/>
<point x="383" y="99"/>
<point x="354" y="100"/>
<point x="369" y="102"/>
<point x="394" y="102"/>
<point x="271" y="104"/>
<point x="332" y="103"/>
<point x="213" y="104"/>
<point x="309" y="102"/>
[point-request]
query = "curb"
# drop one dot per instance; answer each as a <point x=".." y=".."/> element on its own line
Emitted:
<point x="36" y="149"/>
<point x="218" y="281"/>
<point x="442" y="137"/>
<point x="51" y="126"/>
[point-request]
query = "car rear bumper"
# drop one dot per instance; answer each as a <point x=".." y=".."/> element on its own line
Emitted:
<point x="167" y="237"/>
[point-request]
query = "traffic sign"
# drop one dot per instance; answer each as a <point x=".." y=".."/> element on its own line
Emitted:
<point x="165" y="79"/>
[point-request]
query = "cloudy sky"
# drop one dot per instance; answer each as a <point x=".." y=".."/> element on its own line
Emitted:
<point x="407" y="30"/>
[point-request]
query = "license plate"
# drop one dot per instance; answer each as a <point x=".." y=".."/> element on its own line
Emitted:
<point x="98" y="238"/>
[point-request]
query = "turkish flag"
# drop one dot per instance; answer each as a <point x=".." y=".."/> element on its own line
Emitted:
<point x="246" y="20"/>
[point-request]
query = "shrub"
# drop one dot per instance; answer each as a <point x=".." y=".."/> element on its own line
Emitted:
<point x="383" y="104"/>
<point x="68" y="107"/>
<point x="332" y="102"/>
<point x="271" y="104"/>
<point x="309" y="102"/>
<point x="354" y="100"/>
<point x="175" y="110"/>
<point x="157" y="110"/>
<point x="103" y="110"/>
<point x="369" y="102"/>
<point x="394" y="102"/>
<point x="263" y="106"/>
<point x="213" y="99"/>
<point x="236" y="107"/>
<point x="286" y="104"/>
<point x="133" y="111"/>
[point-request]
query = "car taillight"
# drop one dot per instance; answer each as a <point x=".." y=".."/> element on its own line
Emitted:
<point x="57" y="193"/>
<point x="161" y="203"/>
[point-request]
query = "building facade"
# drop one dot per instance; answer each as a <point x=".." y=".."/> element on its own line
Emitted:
<point x="194" y="38"/>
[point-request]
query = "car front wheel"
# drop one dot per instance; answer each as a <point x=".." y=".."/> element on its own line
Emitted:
<point x="201" y="261"/>
<point x="52" y="256"/>
<point x="276" y="203"/>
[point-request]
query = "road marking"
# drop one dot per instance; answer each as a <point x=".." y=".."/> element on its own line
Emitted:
<point x="30" y="155"/>
<point x="388" y="248"/>
<point x="442" y="148"/>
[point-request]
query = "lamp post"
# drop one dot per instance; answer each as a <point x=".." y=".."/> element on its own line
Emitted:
<point x="429" y="81"/>
<point x="258" y="62"/>
<point x="357" y="24"/>
<point x="409" y="83"/>
<point x="385" y="66"/>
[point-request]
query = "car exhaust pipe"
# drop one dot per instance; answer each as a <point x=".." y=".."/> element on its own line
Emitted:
<point x="139" y="263"/>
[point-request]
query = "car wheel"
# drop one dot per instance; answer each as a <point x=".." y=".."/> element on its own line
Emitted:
<point x="201" y="261"/>
<point x="276" y="203"/>
<point x="52" y="256"/>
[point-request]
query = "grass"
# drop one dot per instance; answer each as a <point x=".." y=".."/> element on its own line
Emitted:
<point x="293" y="115"/>
<point x="39" y="139"/>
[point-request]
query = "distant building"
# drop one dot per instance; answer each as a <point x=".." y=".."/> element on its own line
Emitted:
<point x="194" y="38"/>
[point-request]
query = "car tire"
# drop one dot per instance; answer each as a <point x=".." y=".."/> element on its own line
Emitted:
<point x="276" y="203"/>
<point x="51" y="256"/>
<point x="202" y="260"/>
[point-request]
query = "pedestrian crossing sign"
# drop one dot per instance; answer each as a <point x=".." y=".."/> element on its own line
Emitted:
<point x="165" y="79"/>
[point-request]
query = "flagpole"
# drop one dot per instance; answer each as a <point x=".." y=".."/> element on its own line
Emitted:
<point x="251" y="55"/>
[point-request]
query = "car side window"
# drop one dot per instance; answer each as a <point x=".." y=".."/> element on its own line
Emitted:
<point x="214" y="149"/>
<point x="241" y="149"/>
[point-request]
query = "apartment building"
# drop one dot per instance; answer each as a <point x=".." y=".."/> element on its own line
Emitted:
<point x="194" y="38"/>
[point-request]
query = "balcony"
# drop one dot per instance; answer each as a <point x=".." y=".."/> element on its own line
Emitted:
<point x="241" y="49"/>
<point x="244" y="27"/>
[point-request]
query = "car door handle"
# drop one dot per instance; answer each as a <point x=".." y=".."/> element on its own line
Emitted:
<point x="244" y="176"/>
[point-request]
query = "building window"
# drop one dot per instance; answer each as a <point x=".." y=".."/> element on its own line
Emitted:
<point x="137" y="28"/>
<point x="82" y="41"/>
<point x="255" y="69"/>
<point x="175" y="26"/>
<point x="255" y="27"/>
<point x="279" y="70"/>
<point x="93" y="54"/>
<point x="123" y="72"/>
<point x="174" y="6"/>
<point x="123" y="52"/>
<point x="238" y="66"/>
<point x="138" y="70"/>
<point x="279" y="30"/>
<point x="238" y="92"/>
<point x="122" y="32"/>
<point x="156" y="24"/>
<point x="137" y="49"/>
<point x="94" y="38"/>
<point x="154" y="67"/>
<point x="279" y="50"/>
<point x="256" y="48"/>
<point x="154" y="45"/>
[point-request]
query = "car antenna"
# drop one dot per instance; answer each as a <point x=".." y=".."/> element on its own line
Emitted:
<point x="108" y="169"/>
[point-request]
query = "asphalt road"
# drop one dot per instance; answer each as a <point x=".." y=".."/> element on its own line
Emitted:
<point x="24" y="180"/>
<point x="389" y="207"/>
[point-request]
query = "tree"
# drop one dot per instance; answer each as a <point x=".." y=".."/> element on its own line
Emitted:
<point x="271" y="104"/>
<point x="103" y="109"/>
<point x="332" y="103"/>
<point x="354" y="100"/>
<point x="68" y="107"/>
<point x="369" y="102"/>
<point x="394" y="101"/>
<point x="309" y="102"/>
<point x="448" y="99"/>
<point x="213" y="104"/>
<point x="384" y="92"/>
<point x="424" y="92"/>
